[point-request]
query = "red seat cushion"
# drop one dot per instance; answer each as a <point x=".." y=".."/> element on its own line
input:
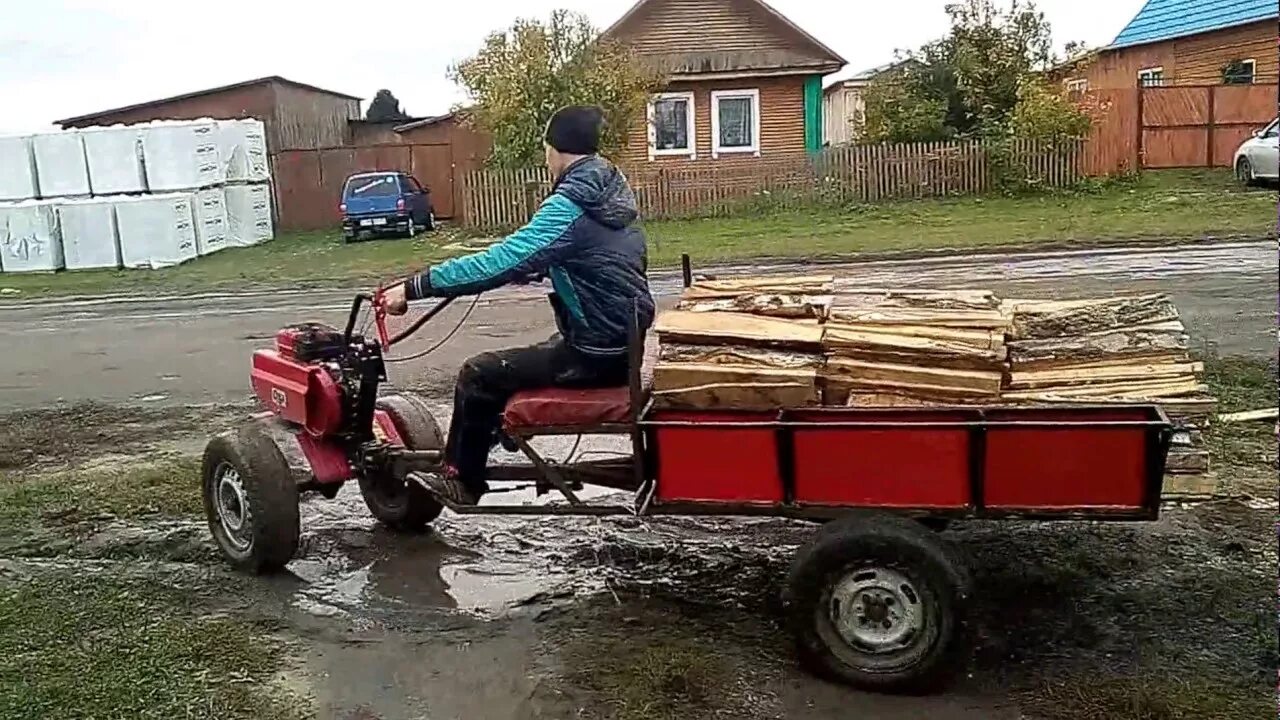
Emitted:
<point x="562" y="407"/>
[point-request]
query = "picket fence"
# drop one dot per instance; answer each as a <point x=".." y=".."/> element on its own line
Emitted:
<point x="504" y="198"/>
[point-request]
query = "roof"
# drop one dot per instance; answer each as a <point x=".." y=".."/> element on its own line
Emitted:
<point x="202" y="93"/>
<point x="861" y="78"/>
<point x="1168" y="19"/>
<point x="415" y="124"/>
<point x="828" y="55"/>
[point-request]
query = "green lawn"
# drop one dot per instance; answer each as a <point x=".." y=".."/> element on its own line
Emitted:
<point x="1180" y="204"/>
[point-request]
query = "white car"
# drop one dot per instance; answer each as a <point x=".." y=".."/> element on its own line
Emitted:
<point x="1259" y="157"/>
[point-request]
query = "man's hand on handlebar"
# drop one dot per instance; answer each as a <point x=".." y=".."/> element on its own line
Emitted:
<point x="394" y="300"/>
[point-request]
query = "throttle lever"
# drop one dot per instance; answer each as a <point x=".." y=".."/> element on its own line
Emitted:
<point x="380" y="316"/>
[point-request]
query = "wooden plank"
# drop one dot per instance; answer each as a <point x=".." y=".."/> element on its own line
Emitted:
<point x="839" y="341"/>
<point x="722" y="328"/>
<point x="772" y="305"/>
<point x="895" y="375"/>
<point x="843" y="385"/>
<point x="671" y="376"/>
<point x="1112" y="344"/>
<point x="1110" y="391"/>
<point x="1250" y="415"/>
<point x="738" y="355"/>
<point x="985" y="339"/>
<point x="1187" y="462"/>
<point x="1156" y="358"/>
<point x="935" y="299"/>
<point x="741" y="396"/>
<point x="1049" y="319"/>
<point x="1200" y="486"/>
<point x="705" y="288"/>
<point x="961" y="318"/>
<point x="1019" y="380"/>
<point x="861" y="398"/>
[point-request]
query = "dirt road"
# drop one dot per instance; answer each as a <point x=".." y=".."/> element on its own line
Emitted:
<point x="186" y="350"/>
<point x="626" y="618"/>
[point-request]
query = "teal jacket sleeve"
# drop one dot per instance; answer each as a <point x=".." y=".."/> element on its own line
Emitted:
<point x="531" y="250"/>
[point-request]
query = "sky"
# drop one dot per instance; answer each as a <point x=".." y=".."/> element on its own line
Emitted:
<point x="60" y="58"/>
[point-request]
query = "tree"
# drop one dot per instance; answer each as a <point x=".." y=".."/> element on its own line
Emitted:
<point x="523" y="74"/>
<point x="385" y="108"/>
<point x="971" y="82"/>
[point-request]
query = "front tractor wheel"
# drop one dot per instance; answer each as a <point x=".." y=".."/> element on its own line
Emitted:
<point x="250" y="500"/>
<point x="877" y="601"/>
<point x="399" y="504"/>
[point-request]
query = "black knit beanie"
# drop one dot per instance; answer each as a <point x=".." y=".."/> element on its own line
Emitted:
<point x="576" y="129"/>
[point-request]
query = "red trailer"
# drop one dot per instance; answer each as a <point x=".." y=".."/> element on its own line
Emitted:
<point x="877" y="598"/>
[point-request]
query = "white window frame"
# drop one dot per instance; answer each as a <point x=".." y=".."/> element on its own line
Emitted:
<point x="690" y="152"/>
<point x="1253" y="69"/>
<point x="1151" y="71"/>
<point x="716" y="97"/>
<point x="1078" y="85"/>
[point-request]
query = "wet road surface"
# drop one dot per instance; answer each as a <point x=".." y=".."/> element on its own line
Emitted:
<point x="190" y="350"/>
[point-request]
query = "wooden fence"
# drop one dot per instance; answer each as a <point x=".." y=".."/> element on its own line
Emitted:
<point x="1175" y="126"/>
<point x="850" y="174"/>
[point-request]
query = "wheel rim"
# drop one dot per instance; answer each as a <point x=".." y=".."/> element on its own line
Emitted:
<point x="1243" y="171"/>
<point x="411" y="227"/>
<point x="232" y="506"/>
<point x="879" y="615"/>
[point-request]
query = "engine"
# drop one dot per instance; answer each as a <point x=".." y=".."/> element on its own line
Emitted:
<point x="317" y="378"/>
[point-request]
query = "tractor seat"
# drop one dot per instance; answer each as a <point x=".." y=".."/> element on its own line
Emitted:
<point x="530" y="410"/>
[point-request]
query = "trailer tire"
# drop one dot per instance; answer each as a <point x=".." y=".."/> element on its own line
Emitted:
<point x="878" y="601"/>
<point x="405" y="506"/>
<point x="250" y="500"/>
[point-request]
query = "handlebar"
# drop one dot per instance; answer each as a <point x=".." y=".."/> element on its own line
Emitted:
<point x="380" y="318"/>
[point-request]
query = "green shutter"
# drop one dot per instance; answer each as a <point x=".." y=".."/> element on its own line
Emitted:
<point x="813" y="113"/>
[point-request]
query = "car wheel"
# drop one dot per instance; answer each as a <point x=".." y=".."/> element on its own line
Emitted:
<point x="412" y="229"/>
<point x="431" y="221"/>
<point x="1244" y="172"/>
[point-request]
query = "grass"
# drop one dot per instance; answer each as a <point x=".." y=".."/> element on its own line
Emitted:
<point x="168" y="488"/>
<point x="1157" y="695"/>
<point x="1242" y="384"/>
<point x="1167" y="204"/>
<point x="105" y="647"/>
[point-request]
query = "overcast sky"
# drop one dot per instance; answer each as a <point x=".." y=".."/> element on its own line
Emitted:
<point x="60" y="58"/>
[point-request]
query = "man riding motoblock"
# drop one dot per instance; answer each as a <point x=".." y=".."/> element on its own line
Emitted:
<point x="584" y="237"/>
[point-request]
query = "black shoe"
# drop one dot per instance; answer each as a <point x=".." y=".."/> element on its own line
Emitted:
<point x="451" y="490"/>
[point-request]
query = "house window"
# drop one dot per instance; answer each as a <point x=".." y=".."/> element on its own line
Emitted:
<point x="735" y="122"/>
<point x="1239" y="72"/>
<point x="1151" y="77"/>
<point x="1077" y="88"/>
<point x="671" y="130"/>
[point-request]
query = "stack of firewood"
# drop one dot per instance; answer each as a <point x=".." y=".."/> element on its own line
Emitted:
<point x="750" y="344"/>
<point x="1124" y="349"/>
<point x="914" y="348"/>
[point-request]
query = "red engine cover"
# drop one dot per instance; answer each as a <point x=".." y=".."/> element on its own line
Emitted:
<point x="298" y="392"/>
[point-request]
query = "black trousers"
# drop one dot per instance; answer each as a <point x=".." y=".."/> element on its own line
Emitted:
<point x="488" y="380"/>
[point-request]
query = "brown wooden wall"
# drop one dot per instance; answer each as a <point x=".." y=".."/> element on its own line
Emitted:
<point x="1194" y="60"/>
<point x="1178" y="126"/>
<point x="308" y="119"/>
<point x="781" y="123"/>
<point x="309" y="181"/>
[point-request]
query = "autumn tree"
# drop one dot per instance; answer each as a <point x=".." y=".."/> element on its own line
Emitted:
<point x="384" y="108"/>
<point x="523" y="74"/>
<point x="984" y="78"/>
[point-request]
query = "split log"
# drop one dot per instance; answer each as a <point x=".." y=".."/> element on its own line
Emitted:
<point x="1099" y="374"/>
<point x="736" y="396"/>
<point x="772" y="305"/>
<point x="936" y="299"/>
<point x="708" y="288"/>
<point x="864" y="398"/>
<point x="1190" y="487"/>
<point x="1163" y="338"/>
<point x="1048" y="319"/>
<point x="1187" y="462"/>
<point x="986" y="339"/>
<point x="976" y="382"/>
<point x="1159" y="358"/>
<point x="739" y="355"/>
<point x="671" y="376"/>
<point x="840" y="341"/>
<point x="979" y="319"/>
<point x="1131" y="391"/>
<point x="724" y="328"/>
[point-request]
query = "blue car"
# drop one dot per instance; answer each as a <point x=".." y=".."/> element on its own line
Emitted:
<point x="382" y="203"/>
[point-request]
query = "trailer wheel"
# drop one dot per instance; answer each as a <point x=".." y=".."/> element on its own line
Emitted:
<point x="877" y="601"/>
<point x="401" y="505"/>
<point x="250" y="500"/>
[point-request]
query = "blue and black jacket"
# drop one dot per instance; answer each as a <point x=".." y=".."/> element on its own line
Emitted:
<point x="584" y="237"/>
